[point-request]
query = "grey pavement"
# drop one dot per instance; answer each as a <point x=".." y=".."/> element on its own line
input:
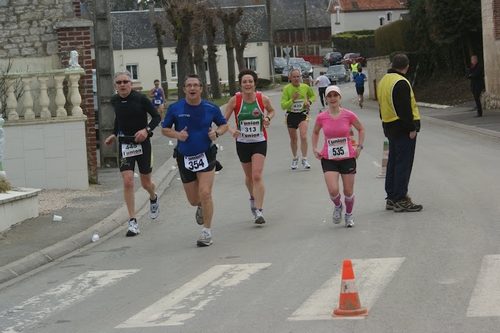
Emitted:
<point x="35" y="243"/>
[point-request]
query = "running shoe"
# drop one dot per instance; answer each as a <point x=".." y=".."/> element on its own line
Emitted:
<point x="259" y="218"/>
<point x="252" y="207"/>
<point x="133" y="228"/>
<point x="295" y="163"/>
<point x="349" y="221"/>
<point x="199" y="216"/>
<point x="305" y="164"/>
<point x="205" y="239"/>
<point x="337" y="214"/>
<point x="389" y="204"/>
<point x="154" y="207"/>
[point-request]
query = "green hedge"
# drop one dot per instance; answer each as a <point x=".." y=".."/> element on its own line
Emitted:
<point x="392" y="37"/>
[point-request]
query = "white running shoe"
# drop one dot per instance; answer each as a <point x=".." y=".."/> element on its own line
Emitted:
<point x="259" y="218"/>
<point x="295" y="163"/>
<point x="349" y="221"/>
<point x="252" y="207"/>
<point x="199" y="216"/>
<point x="133" y="228"/>
<point x="205" y="239"/>
<point x="154" y="208"/>
<point x="337" y="214"/>
<point x="305" y="164"/>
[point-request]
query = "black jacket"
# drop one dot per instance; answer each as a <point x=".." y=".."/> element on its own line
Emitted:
<point x="476" y="77"/>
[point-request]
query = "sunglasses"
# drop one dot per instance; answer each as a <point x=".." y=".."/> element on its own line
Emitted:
<point x="120" y="82"/>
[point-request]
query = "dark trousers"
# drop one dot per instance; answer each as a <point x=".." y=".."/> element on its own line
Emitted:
<point x="321" y="91"/>
<point x="399" y="165"/>
<point x="477" y="99"/>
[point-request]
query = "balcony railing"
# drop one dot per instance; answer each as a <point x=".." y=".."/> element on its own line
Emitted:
<point x="43" y="95"/>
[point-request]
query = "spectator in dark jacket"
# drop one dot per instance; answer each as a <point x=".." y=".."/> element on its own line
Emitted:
<point x="476" y="77"/>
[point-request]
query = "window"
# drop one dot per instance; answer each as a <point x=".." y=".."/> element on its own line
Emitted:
<point x="133" y="69"/>
<point x="389" y="16"/>
<point x="381" y="19"/>
<point x="173" y="69"/>
<point x="251" y="63"/>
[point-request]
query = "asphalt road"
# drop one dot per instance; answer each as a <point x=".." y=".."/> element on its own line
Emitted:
<point x="432" y="271"/>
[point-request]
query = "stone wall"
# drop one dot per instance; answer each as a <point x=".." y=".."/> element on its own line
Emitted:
<point x="491" y="49"/>
<point x="27" y="27"/>
<point x="377" y="67"/>
<point x="38" y="35"/>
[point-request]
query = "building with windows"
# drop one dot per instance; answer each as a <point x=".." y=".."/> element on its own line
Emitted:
<point x="347" y="15"/>
<point x="135" y="49"/>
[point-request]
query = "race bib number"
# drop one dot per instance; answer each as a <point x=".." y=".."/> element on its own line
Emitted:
<point x="338" y="148"/>
<point x="157" y="101"/>
<point x="298" y="105"/>
<point x="250" y="128"/>
<point x="196" y="163"/>
<point x="131" y="149"/>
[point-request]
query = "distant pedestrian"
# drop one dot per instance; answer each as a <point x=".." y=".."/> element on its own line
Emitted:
<point x="476" y="77"/>
<point x="355" y="66"/>
<point x="134" y="132"/>
<point x="359" y="79"/>
<point x="322" y="81"/>
<point x="338" y="157"/>
<point x="158" y="97"/>
<point x="401" y="122"/>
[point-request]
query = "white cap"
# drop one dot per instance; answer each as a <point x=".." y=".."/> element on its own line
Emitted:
<point x="332" y="88"/>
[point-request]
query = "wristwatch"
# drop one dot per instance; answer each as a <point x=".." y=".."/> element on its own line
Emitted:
<point x="268" y="118"/>
<point x="360" y="146"/>
<point x="216" y="134"/>
<point x="148" y="129"/>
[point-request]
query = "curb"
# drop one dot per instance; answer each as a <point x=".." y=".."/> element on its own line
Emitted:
<point x="162" y="178"/>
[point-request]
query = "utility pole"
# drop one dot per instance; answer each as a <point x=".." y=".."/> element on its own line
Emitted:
<point x="306" y="37"/>
<point x="105" y="74"/>
<point x="271" y="43"/>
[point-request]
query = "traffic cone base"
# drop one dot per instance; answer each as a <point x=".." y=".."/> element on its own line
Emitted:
<point x="349" y="304"/>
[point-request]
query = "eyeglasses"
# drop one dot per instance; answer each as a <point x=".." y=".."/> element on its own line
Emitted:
<point x="123" y="81"/>
<point x="194" y="85"/>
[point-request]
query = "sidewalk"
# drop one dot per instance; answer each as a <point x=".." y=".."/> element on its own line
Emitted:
<point x="100" y="210"/>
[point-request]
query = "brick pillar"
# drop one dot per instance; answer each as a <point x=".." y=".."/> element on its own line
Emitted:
<point x="75" y="35"/>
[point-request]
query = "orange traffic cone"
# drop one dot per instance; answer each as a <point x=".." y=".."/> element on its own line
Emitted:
<point x="385" y="158"/>
<point x="349" y="304"/>
<point x="353" y="140"/>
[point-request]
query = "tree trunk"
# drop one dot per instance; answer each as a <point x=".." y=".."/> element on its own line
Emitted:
<point x="210" y="32"/>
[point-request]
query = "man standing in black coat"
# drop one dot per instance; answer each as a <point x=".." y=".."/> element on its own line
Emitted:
<point x="476" y="77"/>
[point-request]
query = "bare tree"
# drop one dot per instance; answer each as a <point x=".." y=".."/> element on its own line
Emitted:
<point x="159" y="32"/>
<point x="180" y="14"/>
<point x="210" y="33"/>
<point x="229" y="20"/>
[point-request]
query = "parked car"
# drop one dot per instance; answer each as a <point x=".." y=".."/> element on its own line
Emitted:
<point x="285" y="76"/>
<point x="295" y="60"/>
<point x="349" y="59"/>
<point x="332" y="58"/>
<point x="337" y="73"/>
<point x="279" y="65"/>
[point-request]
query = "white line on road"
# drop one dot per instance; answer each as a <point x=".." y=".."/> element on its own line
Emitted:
<point x="37" y="308"/>
<point x="183" y="303"/>
<point x="371" y="277"/>
<point x="485" y="299"/>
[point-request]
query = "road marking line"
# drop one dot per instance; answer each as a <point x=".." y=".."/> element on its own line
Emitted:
<point x="485" y="299"/>
<point x="372" y="276"/>
<point x="183" y="303"/>
<point x="37" y="308"/>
